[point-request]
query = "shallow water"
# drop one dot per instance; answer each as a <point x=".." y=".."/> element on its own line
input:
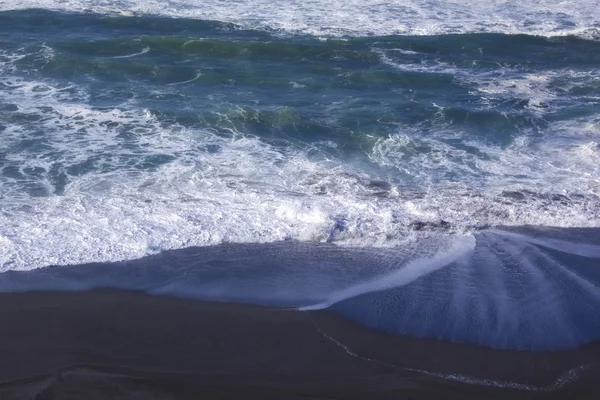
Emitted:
<point x="505" y="289"/>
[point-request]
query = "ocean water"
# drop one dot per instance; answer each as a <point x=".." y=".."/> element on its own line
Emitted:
<point x="425" y="167"/>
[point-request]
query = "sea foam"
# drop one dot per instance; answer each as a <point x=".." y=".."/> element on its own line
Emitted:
<point x="360" y="17"/>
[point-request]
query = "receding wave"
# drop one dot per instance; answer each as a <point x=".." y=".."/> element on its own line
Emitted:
<point x="518" y="288"/>
<point x="511" y="291"/>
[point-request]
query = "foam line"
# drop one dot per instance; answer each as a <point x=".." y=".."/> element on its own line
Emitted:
<point x="198" y="75"/>
<point x="360" y="17"/>
<point x="404" y="275"/>
<point x="144" y="51"/>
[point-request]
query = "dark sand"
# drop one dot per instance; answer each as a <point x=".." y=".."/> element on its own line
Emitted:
<point x="108" y="344"/>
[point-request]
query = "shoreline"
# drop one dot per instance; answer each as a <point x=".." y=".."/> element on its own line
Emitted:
<point x="86" y="342"/>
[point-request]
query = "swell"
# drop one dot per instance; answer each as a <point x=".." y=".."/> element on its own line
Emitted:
<point x="170" y="33"/>
<point x="368" y="18"/>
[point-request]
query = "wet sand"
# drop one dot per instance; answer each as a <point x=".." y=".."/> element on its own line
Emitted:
<point x="127" y="345"/>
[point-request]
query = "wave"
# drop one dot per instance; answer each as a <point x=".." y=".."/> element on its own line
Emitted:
<point x="139" y="53"/>
<point x="94" y="171"/>
<point x="513" y="288"/>
<point x="212" y="135"/>
<point x="359" y="18"/>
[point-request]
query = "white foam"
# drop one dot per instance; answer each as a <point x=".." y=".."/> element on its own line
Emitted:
<point x="139" y="53"/>
<point x="246" y="190"/>
<point x="565" y="157"/>
<point x="551" y="163"/>
<point x="499" y="85"/>
<point x="403" y="276"/>
<point x="561" y="380"/>
<point x="360" y="17"/>
<point x="198" y="75"/>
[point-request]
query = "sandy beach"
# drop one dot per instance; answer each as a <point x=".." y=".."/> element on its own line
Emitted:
<point x="128" y="345"/>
